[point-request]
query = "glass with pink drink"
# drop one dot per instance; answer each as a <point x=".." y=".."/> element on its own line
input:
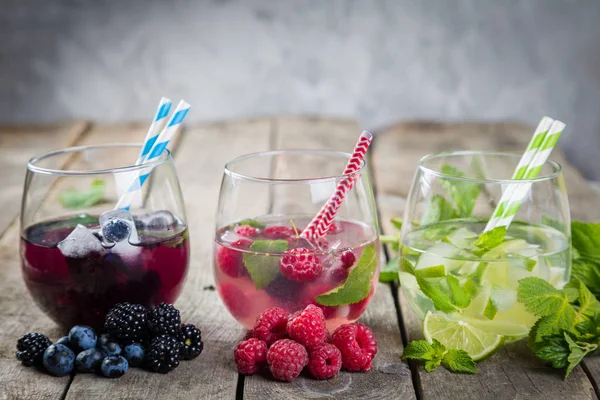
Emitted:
<point x="263" y="256"/>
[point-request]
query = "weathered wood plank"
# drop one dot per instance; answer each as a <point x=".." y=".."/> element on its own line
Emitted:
<point x="17" y="145"/>
<point x="18" y="314"/>
<point x="512" y="372"/>
<point x="200" y="159"/>
<point x="389" y="378"/>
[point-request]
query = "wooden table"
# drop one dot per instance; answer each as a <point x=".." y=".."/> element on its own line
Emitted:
<point x="511" y="373"/>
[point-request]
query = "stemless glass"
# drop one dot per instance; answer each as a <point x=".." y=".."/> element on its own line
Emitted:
<point x="74" y="275"/>
<point x="446" y="275"/>
<point x="266" y="200"/>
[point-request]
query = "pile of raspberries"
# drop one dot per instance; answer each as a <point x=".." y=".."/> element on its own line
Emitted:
<point x="288" y="343"/>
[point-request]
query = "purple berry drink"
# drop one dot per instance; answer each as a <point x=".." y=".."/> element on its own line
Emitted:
<point x="80" y="286"/>
<point x="262" y="264"/>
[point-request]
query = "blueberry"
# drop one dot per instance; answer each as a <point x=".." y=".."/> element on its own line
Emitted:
<point x="89" y="360"/>
<point x="111" y="349"/>
<point x="116" y="230"/>
<point x="104" y="339"/>
<point x="82" y="338"/>
<point x="114" y="366"/>
<point x="134" y="353"/>
<point x="64" y="341"/>
<point x="59" y="360"/>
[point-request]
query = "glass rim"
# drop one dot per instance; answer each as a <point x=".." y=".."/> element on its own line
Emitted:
<point x="76" y="149"/>
<point x="271" y="153"/>
<point x="557" y="168"/>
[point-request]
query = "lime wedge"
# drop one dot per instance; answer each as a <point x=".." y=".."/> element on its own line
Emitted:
<point x="455" y="332"/>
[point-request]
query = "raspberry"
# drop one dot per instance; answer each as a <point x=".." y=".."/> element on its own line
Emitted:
<point x="286" y="359"/>
<point x="357" y="345"/>
<point x="348" y="258"/>
<point x="279" y="232"/>
<point x="235" y="300"/>
<point x="300" y="265"/>
<point x="250" y="355"/>
<point x="325" y="361"/>
<point x="245" y="230"/>
<point x="309" y="296"/>
<point x="270" y="326"/>
<point x="231" y="261"/>
<point x="308" y="328"/>
<point x="339" y="274"/>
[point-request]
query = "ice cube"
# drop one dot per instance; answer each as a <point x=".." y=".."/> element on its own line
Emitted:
<point x="231" y="237"/>
<point x="158" y="220"/>
<point x="117" y="226"/>
<point x="80" y="243"/>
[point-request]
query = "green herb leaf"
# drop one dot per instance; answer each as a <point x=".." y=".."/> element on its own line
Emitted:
<point x="358" y="284"/>
<point x="397" y="222"/>
<point x="555" y="350"/>
<point x="418" y="350"/>
<point x="406" y="266"/>
<point x="577" y="352"/>
<point x="439" y="209"/>
<point x="490" y="239"/>
<point x="588" y="272"/>
<point x="263" y="268"/>
<point x="77" y="199"/>
<point x="463" y="193"/>
<point x="459" y="361"/>
<point x="588" y="304"/>
<point x="490" y="309"/>
<point x="438" y="293"/>
<point x="437" y="233"/>
<point x="520" y="261"/>
<point x="585" y="238"/>
<point x="389" y="273"/>
<point x="460" y="295"/>
<point x="253" y="223"/>
<point x="431" y="365"/>
<point x="541" y="298"/>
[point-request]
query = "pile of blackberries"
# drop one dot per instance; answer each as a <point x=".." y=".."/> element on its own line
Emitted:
<point x="134" y="336"/>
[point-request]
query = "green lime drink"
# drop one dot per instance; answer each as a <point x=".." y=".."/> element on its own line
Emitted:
<point x="459" y="288"/>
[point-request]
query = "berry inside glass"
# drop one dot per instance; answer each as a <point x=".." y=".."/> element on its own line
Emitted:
<point x="262" y="261"/>
<point x="76" y="270"/>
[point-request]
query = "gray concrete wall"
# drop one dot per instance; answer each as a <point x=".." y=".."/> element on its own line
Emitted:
<point x="381" y="61"/>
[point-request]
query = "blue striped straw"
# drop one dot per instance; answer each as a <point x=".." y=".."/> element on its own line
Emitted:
<point x="157" y="125"/>
<point x="155" y="152"/>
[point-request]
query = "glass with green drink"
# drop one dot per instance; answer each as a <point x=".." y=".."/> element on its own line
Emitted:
<point x="474" y="226"/>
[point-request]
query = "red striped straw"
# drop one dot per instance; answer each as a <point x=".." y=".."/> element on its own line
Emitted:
<point x="321" y="223"/>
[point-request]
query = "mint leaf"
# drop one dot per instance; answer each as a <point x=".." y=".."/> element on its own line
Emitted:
<point x="490" y="239"/>
<point x="554" y="350"/>
<point x="437" y="233"/>
<point x="253" y="223"/>
<point x="585" y="238"/>
<point x="418" y="350"/>
<point x="406" y="266"/>
<point x="490" y="309"/>
<point x="588" y="272"/>
<point x="397" y="222"/>
<point x="459" y="361"/>
<point x="358" y="284"/>
<point x="460" y="295"/>
<point x="520" y="261"/>
<point x="439" y="209"/>
<point x="463" y="193"/>
<point x="76" y="199"/>
<point x="577" y="352"/>
<point x="263" y="268"/>
<point x="431" y="365"/>
<point x="389" y="273"/>
<point x="588" y="304"/>
<point x="541" y="298"/>
<point x="442" y="299"/>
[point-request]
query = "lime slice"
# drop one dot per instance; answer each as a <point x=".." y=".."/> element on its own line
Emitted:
<point x="455" y="332"/>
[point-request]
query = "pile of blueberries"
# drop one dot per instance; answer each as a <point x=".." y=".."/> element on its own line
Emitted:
<point x="153" y="339"/>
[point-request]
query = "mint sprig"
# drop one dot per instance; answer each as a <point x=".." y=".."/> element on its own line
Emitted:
<point x="78" y="199"/>
<point x="435" y="354"/>
<point x="264" y="267"/>
<point x="358" y="284"/>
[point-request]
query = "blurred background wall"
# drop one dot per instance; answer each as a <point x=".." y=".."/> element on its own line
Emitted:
<point x="379" y="61"/>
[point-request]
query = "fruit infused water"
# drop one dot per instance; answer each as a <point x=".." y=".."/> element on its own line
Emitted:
<point x="264" y="263"/>
<point x="79" y="283"/>
<point x="452" y="271"/>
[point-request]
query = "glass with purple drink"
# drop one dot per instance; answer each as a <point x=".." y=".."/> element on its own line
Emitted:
<point x="76" y="265"/>
<point x="261" y="257"/>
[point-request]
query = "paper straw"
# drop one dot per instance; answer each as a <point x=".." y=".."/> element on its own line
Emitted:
<point x="522" y="190"/>
<point x="157" y="125"/>
<point x="530" y="152"/>
<point x="320" y="224"/>
<point x="155" y="152"/>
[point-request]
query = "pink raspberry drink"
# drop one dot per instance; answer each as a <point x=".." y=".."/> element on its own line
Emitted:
<point x="297" y="273"/>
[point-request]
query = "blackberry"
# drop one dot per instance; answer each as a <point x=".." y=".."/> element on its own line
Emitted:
<point x="190" y="338"/>
<point x="126" y="321"/>
<point x="163" y="354"/>
<point x="164" y="319"/>
<point x="31" y="347"/>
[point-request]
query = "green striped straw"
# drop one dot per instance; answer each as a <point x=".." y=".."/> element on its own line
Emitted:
<point x="534" y="145"/>
<point x="533" y="171"/>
